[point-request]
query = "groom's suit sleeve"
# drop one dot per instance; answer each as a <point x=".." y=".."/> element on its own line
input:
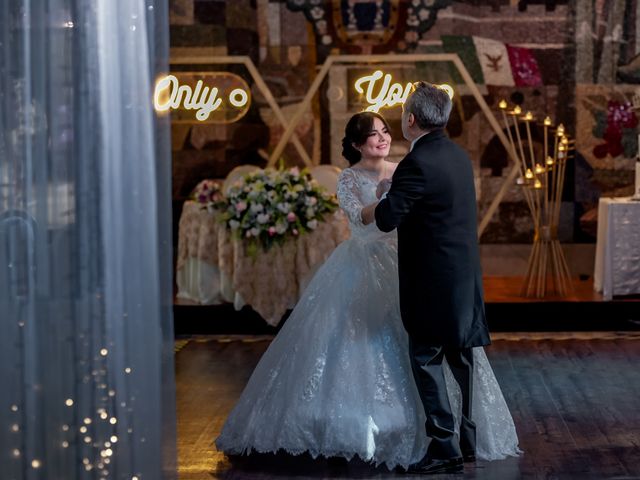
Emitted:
<point x="407" y="186"/>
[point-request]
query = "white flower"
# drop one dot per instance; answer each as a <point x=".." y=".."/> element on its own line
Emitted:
<point x="255" y="231"/>
<point x="234" y="224"/>
<point x="263" y="218"/>
<point x="256" y="207"/>
<point x="310" y="212"/>
<point x="281" y="228"/>
<point x="312" y="224"/>
<point x="310" y="201"/>
<point x="284" y="207"/>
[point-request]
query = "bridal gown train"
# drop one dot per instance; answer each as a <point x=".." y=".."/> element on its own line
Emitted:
<point x="336" y="380"/>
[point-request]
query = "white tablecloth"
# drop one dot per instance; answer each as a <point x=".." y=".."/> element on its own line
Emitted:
<point x="617" y="266"/>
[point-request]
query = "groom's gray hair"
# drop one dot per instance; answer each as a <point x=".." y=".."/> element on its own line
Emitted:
<point x="430" y="105"/>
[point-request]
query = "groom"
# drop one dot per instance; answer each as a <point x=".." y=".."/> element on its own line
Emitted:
<point x="432" y="203"/>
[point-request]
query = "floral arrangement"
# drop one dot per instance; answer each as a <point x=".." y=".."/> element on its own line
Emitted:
<point x="208" y="193"/>
<point x="269" y="205"/>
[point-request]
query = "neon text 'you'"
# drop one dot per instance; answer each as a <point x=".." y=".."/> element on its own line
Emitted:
<point x="380" y="91"/>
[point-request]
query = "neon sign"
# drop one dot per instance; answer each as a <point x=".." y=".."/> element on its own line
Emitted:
<point x="388" y="94"/>
<point x="216" y="97"/>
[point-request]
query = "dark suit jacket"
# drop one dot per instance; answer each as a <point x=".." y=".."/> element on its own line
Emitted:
<point x="432" y="203"/>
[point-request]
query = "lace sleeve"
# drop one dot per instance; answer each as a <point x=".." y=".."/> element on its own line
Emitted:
<point x="348" y="197"/>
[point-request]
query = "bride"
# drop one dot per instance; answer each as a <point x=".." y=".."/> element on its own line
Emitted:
<point x="336" y="381"/>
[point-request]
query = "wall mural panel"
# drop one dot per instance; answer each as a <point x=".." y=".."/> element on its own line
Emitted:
<point x="578" y="62"/>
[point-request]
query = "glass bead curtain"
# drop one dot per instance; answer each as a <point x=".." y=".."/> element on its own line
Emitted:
<point x="86" y="333"/>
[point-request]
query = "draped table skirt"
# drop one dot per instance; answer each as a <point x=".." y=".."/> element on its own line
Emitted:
<point x="214" y="267"/>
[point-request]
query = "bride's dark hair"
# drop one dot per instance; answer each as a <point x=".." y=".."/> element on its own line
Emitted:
<point x="356" y="132"/>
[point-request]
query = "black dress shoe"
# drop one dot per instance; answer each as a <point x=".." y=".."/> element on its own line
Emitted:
<point x="429" y="466"/>
<point x="337" y="462"/>
<point x="469" y="457"/>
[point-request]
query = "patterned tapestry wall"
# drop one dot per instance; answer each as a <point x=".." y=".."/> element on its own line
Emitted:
<point x="576" y="61"/>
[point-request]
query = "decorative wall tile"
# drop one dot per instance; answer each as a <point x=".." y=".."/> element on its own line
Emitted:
<point x="197" y="35"/>
<point x="208" y="12"/>
<point x="296" y="29"/>
<point x="181" y="12"/>
<point x="273" y="23"/>
<point x="241" y="14"/>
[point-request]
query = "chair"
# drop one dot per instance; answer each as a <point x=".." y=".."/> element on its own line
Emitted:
<point x="326" y="176"/>
<point x="237" y="174"/>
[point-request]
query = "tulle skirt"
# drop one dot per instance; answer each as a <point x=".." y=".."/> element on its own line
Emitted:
<point x="336" y="380"/>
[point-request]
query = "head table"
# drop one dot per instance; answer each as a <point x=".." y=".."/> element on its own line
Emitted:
<point x="214" y="266"/>
<point x="617" y="265"/>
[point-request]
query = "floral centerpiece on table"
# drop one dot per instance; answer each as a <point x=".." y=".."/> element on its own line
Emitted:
<point x="268" y="206"/>
<point x="208" y="193"/>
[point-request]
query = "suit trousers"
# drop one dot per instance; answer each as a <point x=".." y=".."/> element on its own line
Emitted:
<point x="426" y="363"/>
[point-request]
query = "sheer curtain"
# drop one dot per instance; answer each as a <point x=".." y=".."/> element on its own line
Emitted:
<point x="86" y="350"/>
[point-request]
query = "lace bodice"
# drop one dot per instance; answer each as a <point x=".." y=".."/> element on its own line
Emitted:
<point x="357" y="189"/>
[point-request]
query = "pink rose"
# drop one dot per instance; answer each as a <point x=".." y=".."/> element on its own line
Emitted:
<point x="291" y="217"/>
<point x="241" y="206"/>
<point x="272" y="231"/>
<point x="295" y="231"/>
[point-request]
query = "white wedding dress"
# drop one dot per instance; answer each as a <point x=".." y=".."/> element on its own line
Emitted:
<point x="336" y="380"/>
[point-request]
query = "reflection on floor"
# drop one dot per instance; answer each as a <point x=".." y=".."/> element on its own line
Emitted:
<point x="573" y="396"/>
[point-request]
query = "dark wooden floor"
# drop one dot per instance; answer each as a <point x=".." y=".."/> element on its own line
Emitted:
<point x="575" y="399"/>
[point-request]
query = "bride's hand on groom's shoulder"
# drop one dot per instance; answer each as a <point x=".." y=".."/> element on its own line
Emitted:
<point x="383" y="187"/>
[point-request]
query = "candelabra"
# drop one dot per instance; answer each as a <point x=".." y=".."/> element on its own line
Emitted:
<point x="542" y="180"/>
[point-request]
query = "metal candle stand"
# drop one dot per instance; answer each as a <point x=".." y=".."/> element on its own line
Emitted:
<point x="542" y="181"/>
